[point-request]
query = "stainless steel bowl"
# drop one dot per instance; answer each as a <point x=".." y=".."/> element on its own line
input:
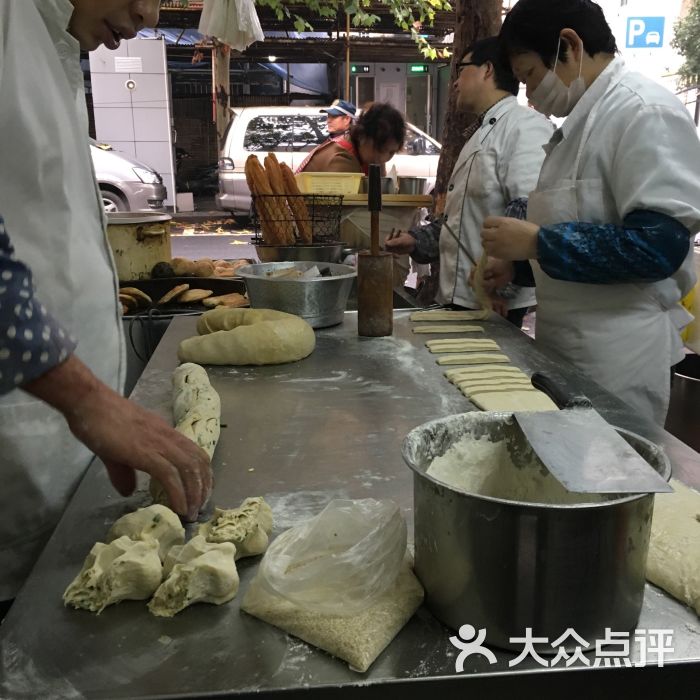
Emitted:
<point x="504" y="565"/>
<point x="386" y="185"/>
<point x="321" y="302"/>
<point x="412" y="185"/>
<point x="323" y="252"/>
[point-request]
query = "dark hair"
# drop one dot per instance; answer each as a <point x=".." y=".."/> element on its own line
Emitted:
<point x="535" y="25"/>
<point x="487" y="51"/>
<point x="380" y="124"/>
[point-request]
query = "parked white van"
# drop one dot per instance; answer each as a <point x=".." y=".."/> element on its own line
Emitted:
<point x="291" y="132"/>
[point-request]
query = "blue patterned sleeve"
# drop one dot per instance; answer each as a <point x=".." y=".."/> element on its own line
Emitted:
<point x="31" y="341"/>
<point x="427" y="237"/>
<point x="647" y="247"/>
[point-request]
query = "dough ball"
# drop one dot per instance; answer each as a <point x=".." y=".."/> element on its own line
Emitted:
<point x="122" y="570"/>
<point x="155" y="522"/>
<point x="198" y="572"/>
<point x="248" y="527"/>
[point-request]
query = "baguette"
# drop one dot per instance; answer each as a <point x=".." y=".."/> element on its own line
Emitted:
<point x="297" y="204"/>
<point x="274" y="219"/>
<point x="274" y="175"/>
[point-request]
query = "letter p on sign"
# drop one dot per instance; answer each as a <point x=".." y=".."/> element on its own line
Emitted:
<point x="645" y="32"/>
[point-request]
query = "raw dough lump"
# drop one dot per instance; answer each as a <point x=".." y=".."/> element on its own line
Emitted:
<point x="198" y="572"/>
<point x="155" y="522"/>
<point x="122" y="570"/>
<point x="674" y="548"/>
<point x="248" y="527"/>
<point x="248" y="337"/>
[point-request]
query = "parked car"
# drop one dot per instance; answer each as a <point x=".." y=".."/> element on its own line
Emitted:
<point x="126" y="184"/>
<point x="291" y="132"/>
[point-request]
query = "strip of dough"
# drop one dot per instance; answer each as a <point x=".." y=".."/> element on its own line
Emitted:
<point x="482" y="370"/>
<point x="447" y="315"/>
<point x="525" y="400"/>
<point x="473" y="358"/>
<point x="456" y="328"/>
<point x="470" y="389"/>
<point x="461" y="345"/>
<point x="492" y="381"/>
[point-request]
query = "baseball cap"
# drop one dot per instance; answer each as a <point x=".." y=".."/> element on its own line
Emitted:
<point x="340" y="108"/>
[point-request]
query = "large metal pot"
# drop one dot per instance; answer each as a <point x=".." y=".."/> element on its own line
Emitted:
<point x="138" y="241"/>
<point x="506" y="566"/>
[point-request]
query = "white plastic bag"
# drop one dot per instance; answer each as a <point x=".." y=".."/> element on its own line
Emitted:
<point x="233" y="22"/>
<point x="339" y="562"/>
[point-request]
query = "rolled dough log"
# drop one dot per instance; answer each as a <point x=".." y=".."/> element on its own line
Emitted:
<point x="674" y="548"/>
<point x="454" y="328"/>
<point x="462" y="345"/>
<point x="196" y="412"/>
<point x="447" y="315"/>
<point x="473" y="358"/>
<point x="517" y="400"/>
<point x="248" y="337"/>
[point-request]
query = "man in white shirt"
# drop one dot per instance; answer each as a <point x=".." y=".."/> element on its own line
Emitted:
<point x="495" y="171"/>
<point x="65" y="402"/>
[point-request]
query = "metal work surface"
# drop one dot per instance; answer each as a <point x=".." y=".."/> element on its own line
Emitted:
<point x="301" y="434"/>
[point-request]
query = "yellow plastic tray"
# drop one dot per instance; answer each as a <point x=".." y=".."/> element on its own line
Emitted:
<point x="329" y="183"/>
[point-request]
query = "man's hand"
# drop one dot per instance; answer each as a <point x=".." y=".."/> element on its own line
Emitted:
<point x="497" y="274"/>
<point x="509" y="239"/>
<point x="126" y="436"/>
<point x="401" y="244"/>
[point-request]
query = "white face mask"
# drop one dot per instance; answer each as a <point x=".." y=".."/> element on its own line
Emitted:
<point x="552" y="96"/>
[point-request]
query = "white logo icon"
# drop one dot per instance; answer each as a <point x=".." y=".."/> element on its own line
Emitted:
<point x="469" y="642"/>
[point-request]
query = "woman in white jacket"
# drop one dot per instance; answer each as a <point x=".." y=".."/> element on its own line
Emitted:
<point x="615" y="208"/>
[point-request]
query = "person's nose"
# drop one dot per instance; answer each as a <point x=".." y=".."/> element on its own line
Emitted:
<point x="146" y="13"/>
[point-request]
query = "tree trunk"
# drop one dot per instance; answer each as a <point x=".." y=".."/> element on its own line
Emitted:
<point x="221" y="70"/>
<point x="476" y="19"/>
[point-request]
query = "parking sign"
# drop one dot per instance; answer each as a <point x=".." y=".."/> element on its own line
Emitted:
<point x="645" y="32"/>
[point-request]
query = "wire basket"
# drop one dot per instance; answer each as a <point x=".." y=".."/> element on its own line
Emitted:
<point x="323" y="215"/>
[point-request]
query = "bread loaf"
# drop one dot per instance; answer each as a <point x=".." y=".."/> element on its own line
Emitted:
<point x="297" y="204"/>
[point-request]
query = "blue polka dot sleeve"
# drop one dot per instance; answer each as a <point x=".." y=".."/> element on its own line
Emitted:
<point x="31" y="341"/>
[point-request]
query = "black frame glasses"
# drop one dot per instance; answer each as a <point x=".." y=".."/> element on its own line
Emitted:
<point x="464" y="64"/>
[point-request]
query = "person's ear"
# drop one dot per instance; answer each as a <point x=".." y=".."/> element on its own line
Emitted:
<point x="573" y="44"/>
<point x="490" y="70"/>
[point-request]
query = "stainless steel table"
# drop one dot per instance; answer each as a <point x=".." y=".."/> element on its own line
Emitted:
<point x="301" y="434"/>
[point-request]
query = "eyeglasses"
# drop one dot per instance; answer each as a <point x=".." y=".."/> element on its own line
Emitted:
<point x="464" y="64"/>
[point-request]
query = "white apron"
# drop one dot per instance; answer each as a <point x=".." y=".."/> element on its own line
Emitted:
<point x="53" y="215"/>
<point x="620" y="335"/>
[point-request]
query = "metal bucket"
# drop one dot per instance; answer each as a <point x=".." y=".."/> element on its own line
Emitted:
<point x="321" y="302"/>
<point x="323" y="252"/>
<point x="138" y="241"/>
<point x="505" y="566"/>
<point x="683" y="419"/>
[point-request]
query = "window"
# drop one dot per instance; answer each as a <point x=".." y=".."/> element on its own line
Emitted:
<point x="417" y="145"/>
<point x="269" y="133"/>
<point x="309" y="131"/>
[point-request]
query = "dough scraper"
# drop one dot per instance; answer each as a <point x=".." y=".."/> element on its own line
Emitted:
<point x="582" y="450"/>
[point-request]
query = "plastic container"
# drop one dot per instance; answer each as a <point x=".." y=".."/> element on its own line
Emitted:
<point x="329" y="183"/>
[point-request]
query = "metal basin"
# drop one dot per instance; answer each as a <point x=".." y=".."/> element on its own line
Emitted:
<point x="321" y="302"/>
<point x="504" y="565"/>
<point x="386" y="185"/>
<point x="323" y="252"/>
<point x="412" y="185"/>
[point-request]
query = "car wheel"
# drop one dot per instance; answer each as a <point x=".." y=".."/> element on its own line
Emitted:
<point x="112" y="202"/>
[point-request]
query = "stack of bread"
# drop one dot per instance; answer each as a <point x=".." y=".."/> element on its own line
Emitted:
<point x="278" y="201"/>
